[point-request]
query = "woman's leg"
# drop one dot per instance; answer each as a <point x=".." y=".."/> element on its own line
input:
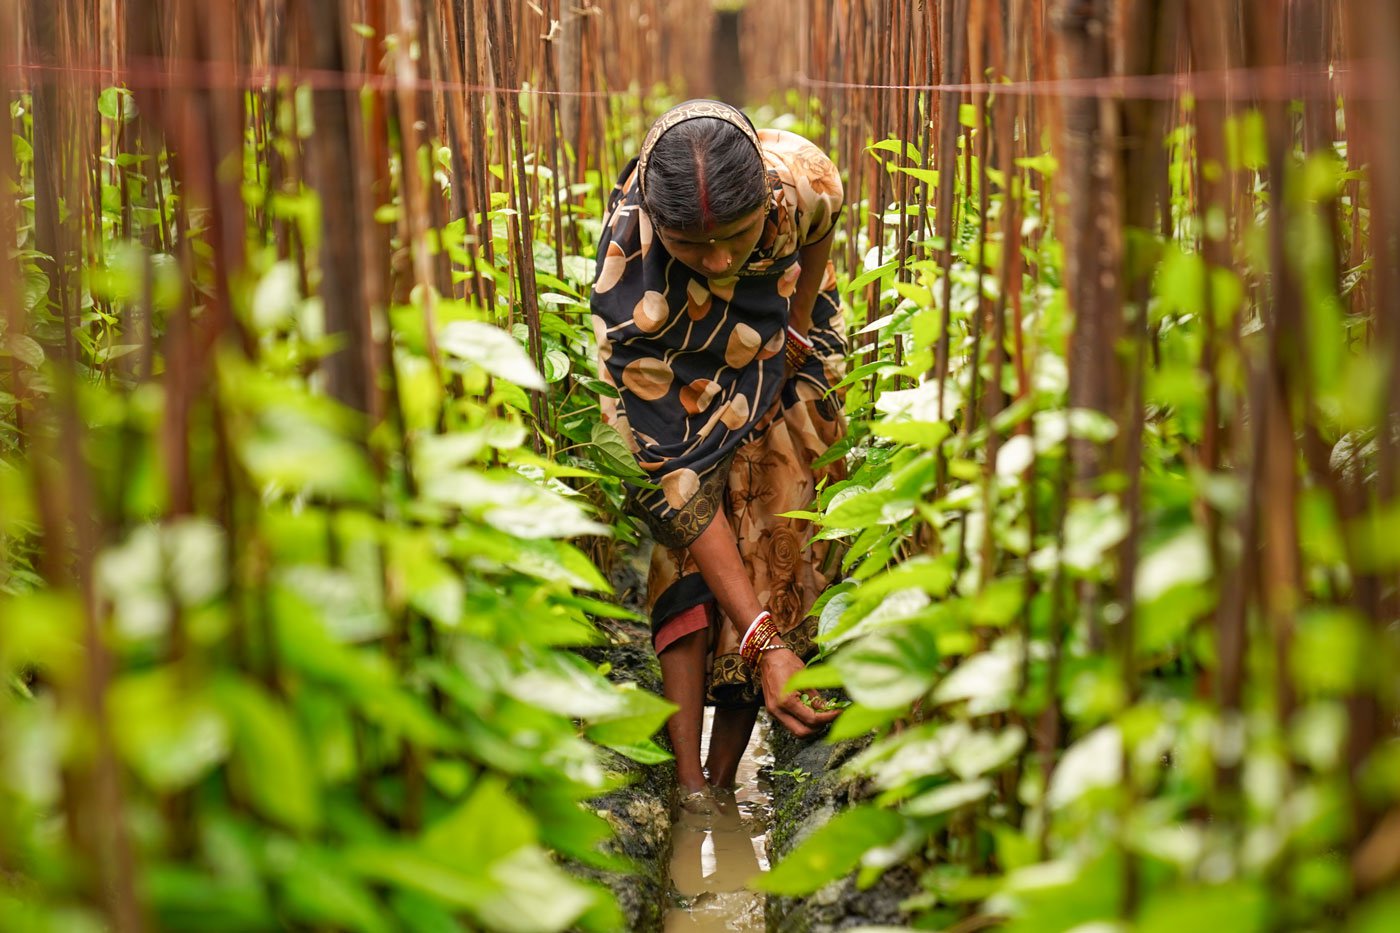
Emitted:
<point x="729" y="737"/>
<point x="683" y="683"/>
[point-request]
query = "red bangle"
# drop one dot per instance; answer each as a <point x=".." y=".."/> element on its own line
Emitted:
<point x="797" y="353"/>
<point x="760" y="636"/>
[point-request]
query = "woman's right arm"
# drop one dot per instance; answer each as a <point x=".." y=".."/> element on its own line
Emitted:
<point x="717" y="555"/>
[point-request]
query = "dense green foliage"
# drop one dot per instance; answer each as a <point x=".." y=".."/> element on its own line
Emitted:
<point x="980" y="629"/>
<point x="333" y="685"/>
<point x="275" y="665"/>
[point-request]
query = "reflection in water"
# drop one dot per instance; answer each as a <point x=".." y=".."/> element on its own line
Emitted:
<point x="713" y="856"/>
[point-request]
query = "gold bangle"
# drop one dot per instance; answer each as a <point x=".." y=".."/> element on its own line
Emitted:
<point x="797" y="354"/>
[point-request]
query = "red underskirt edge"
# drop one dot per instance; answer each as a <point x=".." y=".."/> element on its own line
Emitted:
<point x="680" y="625"/>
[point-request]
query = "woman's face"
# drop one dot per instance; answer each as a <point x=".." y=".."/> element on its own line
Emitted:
<point x="717" y="252"/>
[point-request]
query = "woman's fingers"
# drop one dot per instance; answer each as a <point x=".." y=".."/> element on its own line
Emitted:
<point x="799" y="718"/>
<point x="796" y="715"/>
<point x="805" y="710"/>
<point x="789" y="721"/>
<point x="816" y="704"/>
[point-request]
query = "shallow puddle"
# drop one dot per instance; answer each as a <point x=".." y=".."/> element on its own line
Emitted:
<point x="713" y="857"/>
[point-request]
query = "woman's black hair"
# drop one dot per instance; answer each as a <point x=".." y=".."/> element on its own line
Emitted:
<point x="703" y="173"/>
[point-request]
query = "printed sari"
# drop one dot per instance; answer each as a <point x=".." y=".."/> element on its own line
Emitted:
<point x="710" y="411"/>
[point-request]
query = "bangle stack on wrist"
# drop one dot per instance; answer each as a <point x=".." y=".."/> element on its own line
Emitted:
<point x="763" y="631"/>
<point x="798" y="349"/>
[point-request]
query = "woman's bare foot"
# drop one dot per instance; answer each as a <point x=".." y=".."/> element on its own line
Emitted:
<point x="699" y="802"/>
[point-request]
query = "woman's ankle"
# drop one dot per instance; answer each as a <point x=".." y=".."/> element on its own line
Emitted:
<point x="722" y="777"/>
<point x="691" y="781"/>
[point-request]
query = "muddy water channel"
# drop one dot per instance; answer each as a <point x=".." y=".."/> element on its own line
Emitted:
<point x="714" y="856"/>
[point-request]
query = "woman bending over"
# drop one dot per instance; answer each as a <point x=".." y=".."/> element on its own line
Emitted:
<point x="718" y="322"/>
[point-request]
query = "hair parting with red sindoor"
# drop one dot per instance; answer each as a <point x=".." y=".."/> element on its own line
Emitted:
<point x="701" y="174"/>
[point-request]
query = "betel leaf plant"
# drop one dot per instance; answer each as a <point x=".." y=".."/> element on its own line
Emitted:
<point x="270" y="661"/>
<point x="1093" y="698"/>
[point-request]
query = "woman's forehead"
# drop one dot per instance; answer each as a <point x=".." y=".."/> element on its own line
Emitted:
<point x="717" y="231"/>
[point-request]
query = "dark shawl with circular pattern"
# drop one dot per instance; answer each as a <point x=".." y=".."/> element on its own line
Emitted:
<point x="698" y="363"/>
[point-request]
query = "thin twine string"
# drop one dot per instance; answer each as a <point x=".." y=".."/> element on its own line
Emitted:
<point x="1275" y="82"/>
<point x="192" y="73"/>
<point x="1355" y="79"/>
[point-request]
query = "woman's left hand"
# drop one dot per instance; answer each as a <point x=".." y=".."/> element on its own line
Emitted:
<point x="775" y="668"/>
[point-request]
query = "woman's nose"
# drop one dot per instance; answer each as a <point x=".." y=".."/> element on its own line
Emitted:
<point x="717" y="260"/>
